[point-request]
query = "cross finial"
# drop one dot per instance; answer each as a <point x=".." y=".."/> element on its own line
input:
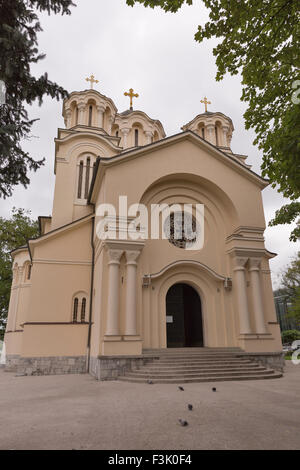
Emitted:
<point x="92" y="80"/>
<point x="206" y="102"/>
<point x="131" y="95"/>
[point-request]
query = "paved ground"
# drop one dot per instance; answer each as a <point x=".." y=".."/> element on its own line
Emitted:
<point x="77" y="412"/>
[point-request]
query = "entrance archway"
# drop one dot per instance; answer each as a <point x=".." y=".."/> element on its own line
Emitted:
<point x="184" y="317"/>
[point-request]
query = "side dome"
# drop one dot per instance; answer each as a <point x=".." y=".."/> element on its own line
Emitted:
<point x="89" y="108"/>
<point x="216" y="128"/>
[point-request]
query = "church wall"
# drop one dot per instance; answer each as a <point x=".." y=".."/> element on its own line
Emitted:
<point x="61" y="268"/>
<point x="97" y="309"/>
<point x="55" y="340"/>
<point x="13" y="343"/>
<point x="54" y="286"/>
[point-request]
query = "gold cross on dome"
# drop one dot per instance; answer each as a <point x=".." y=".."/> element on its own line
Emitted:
<point x="205" y="102"/>
<point x="131" y="95"/>
<point x="92" y="80"/>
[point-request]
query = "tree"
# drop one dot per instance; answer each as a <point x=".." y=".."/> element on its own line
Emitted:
<point x="14" y="232"/>
<point x="291" y="285"/>
<point x="288" y="336"/>
<point x="18" y="43"/>
<point x="261" y="40"/>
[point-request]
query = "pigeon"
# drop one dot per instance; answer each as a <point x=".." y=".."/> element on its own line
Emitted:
<point x="214" y="389"/>
<point x="150" y="382"/>
<point x="181" y="388"/>
<point x="190" y="407"/>
<point x="182" y="422"/>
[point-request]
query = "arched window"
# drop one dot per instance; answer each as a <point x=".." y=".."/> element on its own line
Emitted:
<point x="76" y="116"/>
<point x="203" y="133"/>
<point x="83" y="307"/>
<point x="87" y="177"/>
<point x="79" y="190"/>
<point x="85" y="167"/>
<point x="216" y="132"/>
<point x="136" y="137"/>
<point x="75" y="310"/>
<point x="28" y="272"/>
<point x="90" y="115"/>
<point x="117" y="133"/>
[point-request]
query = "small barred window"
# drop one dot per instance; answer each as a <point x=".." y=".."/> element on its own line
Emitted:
<point x="75" y="310"/>
<point x="83" y="307"/>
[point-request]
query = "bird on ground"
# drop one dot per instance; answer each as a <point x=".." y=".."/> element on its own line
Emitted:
<point x="190" y="407"/>
<point x="214" y="389"/>
<point x="182" y="422"/>
<point x="150" y="382"/>
<point x="181" y="388"/>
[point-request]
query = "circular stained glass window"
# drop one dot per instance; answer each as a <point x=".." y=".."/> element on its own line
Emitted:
<point x="180" y="229"/>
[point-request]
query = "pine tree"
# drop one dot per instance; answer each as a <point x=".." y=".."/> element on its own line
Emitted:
<point x="19" y="49"/>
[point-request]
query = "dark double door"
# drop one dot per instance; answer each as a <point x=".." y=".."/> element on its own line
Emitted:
<point x="184" y="317"/>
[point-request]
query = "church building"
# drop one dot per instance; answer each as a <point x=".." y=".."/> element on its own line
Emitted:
<point x="110" y="305"/>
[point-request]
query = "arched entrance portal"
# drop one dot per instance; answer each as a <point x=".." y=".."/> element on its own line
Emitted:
<point x="184" y="317"/>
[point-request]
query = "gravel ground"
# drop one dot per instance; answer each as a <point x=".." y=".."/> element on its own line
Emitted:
<point x="77" y="412"/>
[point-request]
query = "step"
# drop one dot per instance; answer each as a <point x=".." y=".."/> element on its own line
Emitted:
<point x="197" y="353"/>
<point x="189" y="349"/>
<point x="195" y="370"/>
<point x="168" y="362"/>
<point x="199" y="374"/>
<point x="159" y="365"/>
<point x="276" y="375"/>
<point x="199" y="363"/>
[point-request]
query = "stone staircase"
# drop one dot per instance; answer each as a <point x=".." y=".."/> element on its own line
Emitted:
<point x="192" y="365"/>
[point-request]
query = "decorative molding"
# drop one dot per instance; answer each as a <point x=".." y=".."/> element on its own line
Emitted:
<point x="219" y="277"/>
<point x="53" y="261"/>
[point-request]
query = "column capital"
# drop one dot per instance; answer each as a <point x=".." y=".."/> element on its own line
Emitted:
<point x="100" y="108"/>
<point x="81" y="106"/>
<point x="239" y="262"/>
<point x="149" y="133"/>
<point x="114" y="256"/>
<point x="132" y="256"/>
<point x="254" y="264"/>
<point x="125" y="130"/>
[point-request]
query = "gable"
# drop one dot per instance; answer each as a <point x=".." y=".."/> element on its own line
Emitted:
<point x="184" y="158"/>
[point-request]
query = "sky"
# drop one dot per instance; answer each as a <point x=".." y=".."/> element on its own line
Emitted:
<point x="154" y="53"/>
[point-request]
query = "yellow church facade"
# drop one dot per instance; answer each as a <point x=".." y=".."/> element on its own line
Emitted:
<point x="83" y="302"/>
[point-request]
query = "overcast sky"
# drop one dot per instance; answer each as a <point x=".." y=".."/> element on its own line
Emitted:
<point x="154" y="53"/>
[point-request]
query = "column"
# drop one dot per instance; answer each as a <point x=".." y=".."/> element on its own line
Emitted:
<point x="210" y="133"/>
<point x="225" y="130"/>
<point x="125" y="132"/>
<point x="100" y="115"/>
<point x="81" y="112"/>
<point x="254" y="268"/>
<point x="131" y="297"/>
<point x="241" y="289"/>
<point x="149" y="136"/>
<point x="68" y="118"/>
<point x="112" y="323"/>
<point x="110" y="123"/>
